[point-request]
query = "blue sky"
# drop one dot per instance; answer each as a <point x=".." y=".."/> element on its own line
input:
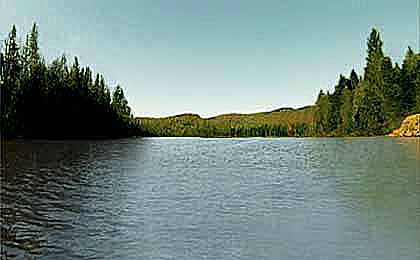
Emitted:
<point x="216" y="56"/>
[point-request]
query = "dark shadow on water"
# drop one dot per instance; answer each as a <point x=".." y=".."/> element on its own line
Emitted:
<point x="41" y="184"/>
<point x="76" y="199"/>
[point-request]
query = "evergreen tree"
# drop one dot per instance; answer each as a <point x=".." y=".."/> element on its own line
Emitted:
<point x="371" y="117"/>
<point x="372" y="111"/>
<point x="408" y="82"/>
<point x="336" y="101"/>
<point x="392" y="93"/>
<point x="417" y="90"/>
<point x="358" y="96"/>
<point x="55" y="101"/>
<point x="346" y="112"/>
<point x="322" y="108"/>
<point x="11" y="84"/>
<point x="374" y="60"/>
<point x="354" y="80"/>
<point x="120" y="103"/>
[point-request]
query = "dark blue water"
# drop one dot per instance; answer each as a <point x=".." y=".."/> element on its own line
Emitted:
<point x="212" y="199"/>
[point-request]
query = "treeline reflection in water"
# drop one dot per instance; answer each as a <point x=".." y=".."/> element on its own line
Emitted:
<point x="183" y="198"/>
<point x="45" y="186"/>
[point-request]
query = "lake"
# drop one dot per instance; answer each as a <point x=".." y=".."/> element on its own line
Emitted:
<point x="192" y="198"/>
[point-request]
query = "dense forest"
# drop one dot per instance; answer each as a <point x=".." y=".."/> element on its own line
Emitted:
<point x="57" y="100"/>
<point x="372" y="104"/>
<point x="375" y="103"/>
<point x="68" y="101"/>
<point x="280" y="123"/>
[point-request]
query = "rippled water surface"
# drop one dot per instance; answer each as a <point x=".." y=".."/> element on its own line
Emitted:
<point x="212" y="199"/>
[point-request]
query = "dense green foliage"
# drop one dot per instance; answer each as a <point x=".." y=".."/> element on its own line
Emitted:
<point x="60" y="100"/>
<point x="281" y="123"/>
<point x="375" y="103"/>
<point x="57" y="100"/>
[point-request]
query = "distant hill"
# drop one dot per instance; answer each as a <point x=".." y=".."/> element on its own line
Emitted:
<point x="280" y="122"/>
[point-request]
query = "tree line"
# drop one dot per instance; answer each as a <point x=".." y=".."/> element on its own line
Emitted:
<point x="285" y="123"/>
<point x="57" y="100"/>
<point x="209" y="129"/>
<point x="375" y="103"/>
<point x="61" y="100"/>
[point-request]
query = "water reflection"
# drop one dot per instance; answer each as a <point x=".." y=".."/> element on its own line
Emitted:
<point x="374" y="185"/>
<point x="46" y="188"/>
<point x="354" y="198"/>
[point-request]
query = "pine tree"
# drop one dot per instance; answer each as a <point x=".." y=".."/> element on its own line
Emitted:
<point x="417" y="87"/>
<point x="354" y="80"/>
<point x="56" y="101"/>
<point x="336" y="101"/>
<point x="346" y="112"/>
<point x="389" y="90"/>
<point x="358" y="96"/>
<point x="374" y="60"/>
<point x="371" y="108"/>
<point x="120" y="103"/>
<point x="10" y="87"/>
<point x="408" y="82"/>
<point x="322" y="107"/>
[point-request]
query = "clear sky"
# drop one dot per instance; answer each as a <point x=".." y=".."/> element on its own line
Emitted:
<point x="216" y="56"/>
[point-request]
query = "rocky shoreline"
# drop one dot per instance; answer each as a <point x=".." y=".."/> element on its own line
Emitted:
<point x="410" y="127"/>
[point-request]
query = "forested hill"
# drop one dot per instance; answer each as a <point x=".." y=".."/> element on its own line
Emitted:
<point x="279" y="123"/>
<point x="57" y="100"/>
<point x="374" y="103"/>
<point x="61" y="100"/>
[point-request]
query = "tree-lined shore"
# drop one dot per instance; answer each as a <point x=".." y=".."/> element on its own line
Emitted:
<point x="280" y="123"/>
<point x="61" y="100"/>
<point x="374" y="103"/>
<point x="57" y="100"/>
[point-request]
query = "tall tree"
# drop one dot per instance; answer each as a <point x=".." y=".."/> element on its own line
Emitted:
<point x="336" y="101"/>
<point x="408" y="81"/>
<point x="417" y="90"/>
<point x="354" y="80"/>
<point x="358" y="96"/>
<point x="34" y="90"/>
<point x="346" y="112"/>
<point x="322" y="107"/>
<point x="390" y="90"/>
<point x="55" y="101"/>
<point x="368" y="116"/>
<point x="372" y="103"/>
<point x="11" y="84"/>
<point x="120" y="103"/>
<point x="374" y="60"/>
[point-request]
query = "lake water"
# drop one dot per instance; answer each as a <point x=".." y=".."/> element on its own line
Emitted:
<point x="190" y="198"/>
